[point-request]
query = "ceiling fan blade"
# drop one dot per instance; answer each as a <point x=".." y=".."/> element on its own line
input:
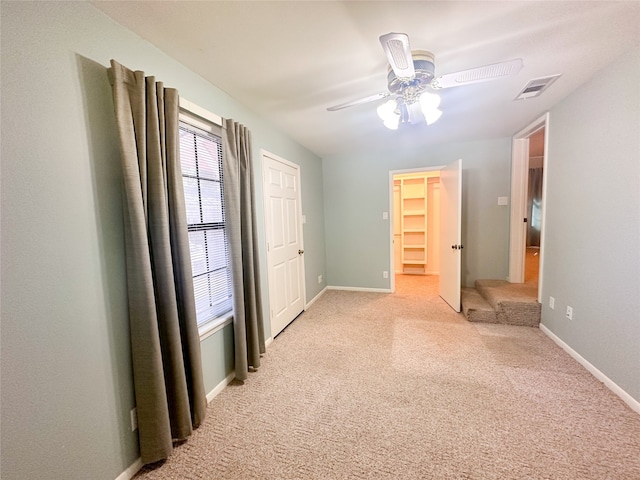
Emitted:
<point x="370" y="98"/>
<point x="398" y="50"/>
<point x="479" y="74"/>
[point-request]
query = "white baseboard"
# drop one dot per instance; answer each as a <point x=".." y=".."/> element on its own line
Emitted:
<point x="313" y="300"/>
<point x="218" y="388"/>
<point x="610" y="384"/>
<point x="268" y="341"/>
<point x="129" y="473"/>
<point x="360" y="289"/>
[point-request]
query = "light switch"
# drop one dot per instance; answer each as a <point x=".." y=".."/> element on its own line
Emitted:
<point x="385" y="215"/>
<point x="503" y="200"/>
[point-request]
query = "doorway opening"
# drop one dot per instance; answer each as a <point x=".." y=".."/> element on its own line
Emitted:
<point x="415" y="222"/>
<point x="528" y="181"/>
<point x="450" y="231"/>
<point x="534" y="207"/>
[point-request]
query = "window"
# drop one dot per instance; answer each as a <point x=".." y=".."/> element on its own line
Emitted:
<point x="201" y="160"/>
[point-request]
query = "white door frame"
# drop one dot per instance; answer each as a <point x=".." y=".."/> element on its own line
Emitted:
<point x="392" y="276"/>
<point x="519" y="187"/>
<point x="264" y="154"/>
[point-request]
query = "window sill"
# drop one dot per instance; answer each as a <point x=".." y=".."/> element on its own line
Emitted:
<point x="214" y="326"/>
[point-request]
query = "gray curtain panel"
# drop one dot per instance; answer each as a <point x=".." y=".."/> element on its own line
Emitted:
<point x="165" y="344"/>
<point x="240" y="217"/>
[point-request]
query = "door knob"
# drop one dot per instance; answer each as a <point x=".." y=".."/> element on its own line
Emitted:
<point x="300" y="252"/>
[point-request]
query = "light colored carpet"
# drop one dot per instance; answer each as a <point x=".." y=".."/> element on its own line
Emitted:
<point x="514" y="303"/>
<point x="374" y="386"/>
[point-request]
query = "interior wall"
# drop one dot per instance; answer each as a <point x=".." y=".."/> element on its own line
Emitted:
<point x="592" y="242"/>
<point x="66" y="361"/>
<point x="356" y="192"/>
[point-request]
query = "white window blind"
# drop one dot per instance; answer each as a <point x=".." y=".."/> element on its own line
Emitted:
<point x="201" y="160"/>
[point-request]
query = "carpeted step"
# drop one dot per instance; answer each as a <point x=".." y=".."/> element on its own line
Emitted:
<point x="514" y="303"/>
<point x="475" y="307"/>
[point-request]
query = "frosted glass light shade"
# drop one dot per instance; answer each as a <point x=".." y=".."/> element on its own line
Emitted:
<point x="386" y="109"/>
<point x="429" y="101"/>
<point x="432" y="115"/>
<point x="392" y="122"/>
<point x="387" y="112"/>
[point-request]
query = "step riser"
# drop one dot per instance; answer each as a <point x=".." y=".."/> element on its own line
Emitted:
<point x="519" y="314"/>
<point x="496" y="301"/>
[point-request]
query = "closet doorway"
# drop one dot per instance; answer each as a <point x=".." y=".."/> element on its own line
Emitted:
<point x="415" y="243"/>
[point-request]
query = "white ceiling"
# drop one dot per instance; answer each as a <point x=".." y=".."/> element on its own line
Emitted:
<point x="288" y="61"/>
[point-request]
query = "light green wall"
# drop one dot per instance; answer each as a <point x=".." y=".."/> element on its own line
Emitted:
<point x="356" y="192"/>
<point x="592" y="226"/>
<point x="66" y="375"/>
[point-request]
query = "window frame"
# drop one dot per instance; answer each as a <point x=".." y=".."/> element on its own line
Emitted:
<point x="202" y="119"/>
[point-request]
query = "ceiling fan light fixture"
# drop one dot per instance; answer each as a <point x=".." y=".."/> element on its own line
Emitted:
<point x="429" y="101"/>
<point x="392" y="122"/>
<point x="389" y="114"/>
<point x="431" y="116"/>
<point x="387" y="109"/>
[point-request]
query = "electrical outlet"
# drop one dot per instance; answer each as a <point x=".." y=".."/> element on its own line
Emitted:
<point x="552" y="303"/>
<point x="569" y="313"/>
<point x="319" y="278"/>
<point x="133" y="414"/>
<point x="385" y="274"/>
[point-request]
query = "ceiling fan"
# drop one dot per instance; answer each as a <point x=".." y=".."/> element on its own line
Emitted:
<point x="411" y="79"/>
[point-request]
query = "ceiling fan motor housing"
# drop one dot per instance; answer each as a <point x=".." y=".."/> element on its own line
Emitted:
<point x="409" y="89"/>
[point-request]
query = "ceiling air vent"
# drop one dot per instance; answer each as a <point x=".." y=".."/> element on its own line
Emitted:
<point x="536" y="86"/>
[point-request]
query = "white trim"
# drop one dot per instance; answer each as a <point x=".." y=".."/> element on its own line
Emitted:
<point x="218" y="388"/>
<point x="314" y="299"/>
<point x="200" y="112"/>
<point x="610" y="384"/>
<point x="543" y="213"/>
<point x="359" y="289"/>
<point x="213" y="326"/>
<point x="268" y="342"/>
<point x="266" y="153"/>
<point x="130" y="472"/>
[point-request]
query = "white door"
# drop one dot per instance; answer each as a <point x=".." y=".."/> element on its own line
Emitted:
<point x="284" y="241"/>
<point x="450" y="233"/>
